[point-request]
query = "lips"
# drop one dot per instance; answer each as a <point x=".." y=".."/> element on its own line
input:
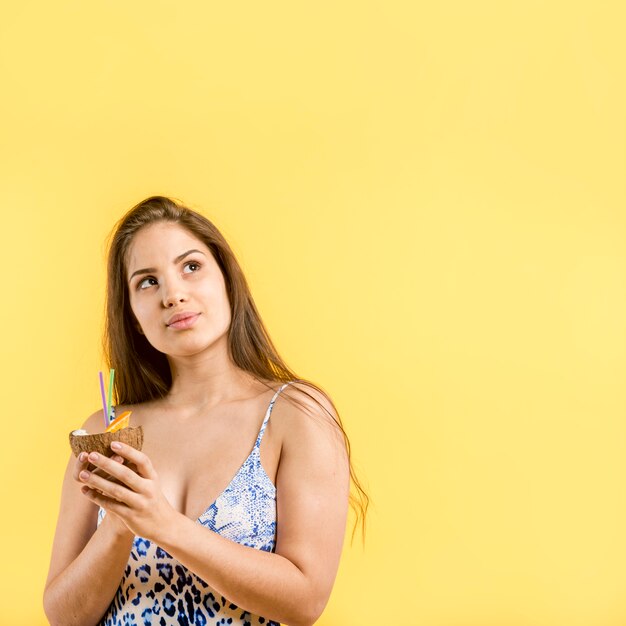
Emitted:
<point x="180" y="316"/>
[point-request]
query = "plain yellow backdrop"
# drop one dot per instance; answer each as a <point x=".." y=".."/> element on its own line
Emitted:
<point x="428" y="199"/>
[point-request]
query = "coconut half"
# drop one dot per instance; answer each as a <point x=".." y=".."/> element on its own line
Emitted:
<point x="81" y="441"/>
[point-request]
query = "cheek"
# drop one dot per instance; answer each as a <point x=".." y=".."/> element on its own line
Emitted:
<point x="219" y="297"/>
<point x="139" y="310"/>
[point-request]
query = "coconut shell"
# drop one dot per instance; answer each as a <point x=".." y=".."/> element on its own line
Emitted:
<point x="101" y="442"/>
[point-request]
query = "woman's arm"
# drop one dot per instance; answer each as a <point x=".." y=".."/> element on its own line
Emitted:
<point x="293" y="584"/>
<point x="86" y="565"/>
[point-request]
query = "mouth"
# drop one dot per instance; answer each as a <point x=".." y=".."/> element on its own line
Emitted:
<point x="184" y="322"/>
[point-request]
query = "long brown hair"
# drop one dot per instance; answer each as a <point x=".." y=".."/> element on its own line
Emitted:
<point x="249" y="343"/>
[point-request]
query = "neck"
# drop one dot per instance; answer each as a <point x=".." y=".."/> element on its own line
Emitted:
<point x="203" y="381"/>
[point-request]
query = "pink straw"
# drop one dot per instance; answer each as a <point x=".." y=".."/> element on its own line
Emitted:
<point x="104" y="402"/>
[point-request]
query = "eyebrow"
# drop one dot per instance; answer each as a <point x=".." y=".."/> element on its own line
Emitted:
<point x="148" y="270"/>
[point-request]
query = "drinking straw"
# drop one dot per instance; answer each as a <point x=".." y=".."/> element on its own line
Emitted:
<point x="104" y="401"/>
<point x="109" y="405"/>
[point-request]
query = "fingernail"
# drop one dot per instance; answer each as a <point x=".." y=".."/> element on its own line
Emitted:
<point x="84" y="475"/>
<point x="116" y="445"/>
<point x="82" y="456"/>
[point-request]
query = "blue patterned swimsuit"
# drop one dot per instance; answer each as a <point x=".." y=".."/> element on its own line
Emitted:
<point x="157" y="590"/>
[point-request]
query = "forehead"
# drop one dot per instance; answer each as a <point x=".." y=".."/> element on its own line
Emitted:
<point x="161" y="243"/>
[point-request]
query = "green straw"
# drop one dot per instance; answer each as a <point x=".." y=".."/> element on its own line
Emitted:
<point x="111" y="376"/>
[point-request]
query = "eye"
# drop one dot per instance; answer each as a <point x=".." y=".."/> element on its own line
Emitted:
<point x="189" y="263"/>
<point x="141" y="282"/>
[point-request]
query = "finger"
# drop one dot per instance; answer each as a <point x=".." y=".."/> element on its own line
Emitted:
<point x="117" y="459"/>
<point x="114" y="491"/>
<point x="83" y="463"/>
<point x="106" y="503"/>
<point x="101" y="472"/>
<point x="96" y="470"/>
<point x="141" y="461"/>
<point x="116" y="470"/>
<point x="80" y="465"/>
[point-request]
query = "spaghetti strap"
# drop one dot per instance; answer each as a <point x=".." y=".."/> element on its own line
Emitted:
<point x="268" y="413"/>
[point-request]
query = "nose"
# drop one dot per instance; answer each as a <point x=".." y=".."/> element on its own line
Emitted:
<point x="172" y="301"/>
<point x="174" y="295"/>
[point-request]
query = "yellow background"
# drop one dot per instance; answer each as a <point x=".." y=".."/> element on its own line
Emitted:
<point x="428" y="201"/>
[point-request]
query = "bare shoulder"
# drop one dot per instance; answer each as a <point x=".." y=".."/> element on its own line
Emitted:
<point x="308" y="419"/>
<point x="94" y="423"/>
<point x="304" y="399"/>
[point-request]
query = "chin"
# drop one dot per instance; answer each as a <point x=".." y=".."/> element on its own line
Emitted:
<point x="189" y="347"/>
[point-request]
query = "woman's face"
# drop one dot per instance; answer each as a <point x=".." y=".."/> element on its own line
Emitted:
<point x="170" y="271"/>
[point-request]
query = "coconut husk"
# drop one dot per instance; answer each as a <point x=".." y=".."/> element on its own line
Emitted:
<point x="101" y="442"/>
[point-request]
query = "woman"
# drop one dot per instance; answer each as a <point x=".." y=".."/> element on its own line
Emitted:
<point x="135" y="541"/>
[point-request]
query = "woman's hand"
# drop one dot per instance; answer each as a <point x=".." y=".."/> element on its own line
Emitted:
<point x="135" y="497"/>
<point x="82" y="464"/>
